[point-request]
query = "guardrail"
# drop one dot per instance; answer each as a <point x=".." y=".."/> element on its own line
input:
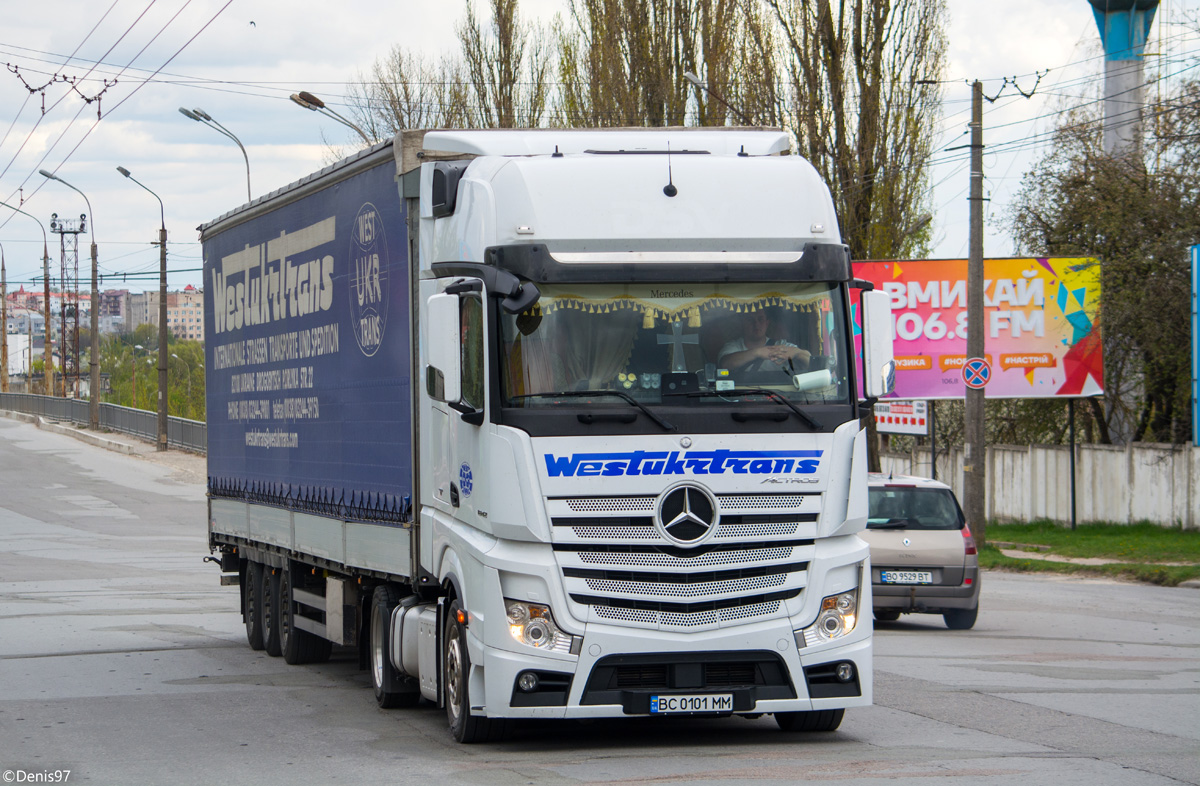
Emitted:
<point x="181" y="432"/>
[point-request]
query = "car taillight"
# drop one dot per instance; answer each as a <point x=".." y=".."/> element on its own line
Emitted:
<point x="968" y="541"/>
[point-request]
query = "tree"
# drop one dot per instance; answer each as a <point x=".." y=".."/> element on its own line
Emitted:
<point x="622" y="63"/>
<point x="499" y="80"/>
<point x="1137" y="214"/>
<point x="863" y="105"/>
<point x="507" y="67"/>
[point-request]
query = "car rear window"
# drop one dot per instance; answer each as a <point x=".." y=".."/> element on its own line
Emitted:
<point x="905" y="507"/>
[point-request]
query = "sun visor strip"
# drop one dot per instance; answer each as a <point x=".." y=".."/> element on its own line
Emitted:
<point x="534" y="262"/>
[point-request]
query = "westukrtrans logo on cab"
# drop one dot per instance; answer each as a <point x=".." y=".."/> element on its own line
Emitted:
<point x="695" y="462"/>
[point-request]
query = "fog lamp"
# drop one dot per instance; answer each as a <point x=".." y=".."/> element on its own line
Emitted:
<point x="528" y="681"/>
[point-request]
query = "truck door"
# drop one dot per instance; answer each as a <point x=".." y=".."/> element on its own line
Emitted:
<point x="458" y="392"/>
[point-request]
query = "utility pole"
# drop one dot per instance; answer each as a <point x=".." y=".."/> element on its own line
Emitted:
<point x="4" y="322"/>
<point x="975" y="460"/>
<point x="162" y="338"/>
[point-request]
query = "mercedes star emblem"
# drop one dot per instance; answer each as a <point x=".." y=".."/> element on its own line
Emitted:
<point x="686" y="514"/>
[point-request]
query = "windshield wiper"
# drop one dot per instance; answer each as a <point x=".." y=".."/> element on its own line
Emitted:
<point x="774" y="395"/>
<point x="892" y="524"/>
<point x="618" y="393"/>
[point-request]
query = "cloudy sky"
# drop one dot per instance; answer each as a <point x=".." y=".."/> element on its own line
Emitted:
<point x="138" y="61"/>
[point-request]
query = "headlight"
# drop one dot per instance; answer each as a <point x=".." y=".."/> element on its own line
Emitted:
<point x="533" y="624"/>
<point x="839" y="614"/>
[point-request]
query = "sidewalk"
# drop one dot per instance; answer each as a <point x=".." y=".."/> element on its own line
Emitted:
<point x="190" y="467"/>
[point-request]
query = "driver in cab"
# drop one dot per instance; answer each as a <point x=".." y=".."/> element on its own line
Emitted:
<point x="755" y="351"/>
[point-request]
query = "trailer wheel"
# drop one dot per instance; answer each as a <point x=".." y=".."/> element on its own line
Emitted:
<point x="819" y="720"/>
<point x="252" y="605"/>
<point x="392" y="689"/>
<point x="269" y="601"/>
<point x="456" y="660"/>
<point x="298" y="646"/>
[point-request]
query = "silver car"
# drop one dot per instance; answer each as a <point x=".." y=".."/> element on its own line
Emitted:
<point x="923" y="558"/>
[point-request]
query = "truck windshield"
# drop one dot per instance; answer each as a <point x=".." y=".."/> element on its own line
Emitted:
<point x="677" y="344"/>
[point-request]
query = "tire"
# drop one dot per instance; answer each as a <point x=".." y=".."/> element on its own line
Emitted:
<point x="252" y="605"/>
<point x="887" y="615"/>
<point x="297" y="646"/>
<point x="960" y="619"/>
<point x="456" y="662"/>
<point x="384" y="676"/>
<point x="818" y="720"/>
<point x="269" y="603"/>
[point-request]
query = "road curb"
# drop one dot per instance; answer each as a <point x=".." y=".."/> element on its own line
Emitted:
<point x="83" y="436"/>
<point x="1190" y="584"/>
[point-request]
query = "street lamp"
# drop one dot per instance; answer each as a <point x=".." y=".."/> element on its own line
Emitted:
<point x="695" y="80"/>
<point x="162" y="315"/>
<point x="311" y="102"/>
<point x="200" y="116"/>
<point x="48" y="350"/>
<point x="94" y="362"/>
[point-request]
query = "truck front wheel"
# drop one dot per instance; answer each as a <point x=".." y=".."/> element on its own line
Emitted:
<point x="819" y="720"/>
<point x="465" y="727"/>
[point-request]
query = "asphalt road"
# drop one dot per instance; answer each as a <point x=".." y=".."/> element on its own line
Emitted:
<point x="123" y="661"/>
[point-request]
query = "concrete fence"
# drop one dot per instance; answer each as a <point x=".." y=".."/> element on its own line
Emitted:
<point x="1123" y="484"/>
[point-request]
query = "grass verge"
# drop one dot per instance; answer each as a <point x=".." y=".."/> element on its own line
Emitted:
<point x="1135" y="550"/>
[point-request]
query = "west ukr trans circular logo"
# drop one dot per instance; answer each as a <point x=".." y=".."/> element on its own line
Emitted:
<point x="368" y="279"/>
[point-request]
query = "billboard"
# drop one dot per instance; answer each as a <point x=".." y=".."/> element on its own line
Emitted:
<point x="902" y="417"/>
<point x="1042" y="317"/>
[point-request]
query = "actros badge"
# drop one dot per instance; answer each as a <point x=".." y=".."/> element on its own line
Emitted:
<point x="368" y="279"/>
<point x="686" y="514"/>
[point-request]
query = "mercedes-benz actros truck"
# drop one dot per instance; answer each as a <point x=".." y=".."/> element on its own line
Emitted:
<point x="551" y="424"/>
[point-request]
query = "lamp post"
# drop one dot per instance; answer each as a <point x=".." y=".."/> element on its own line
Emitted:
<point x="48" y="351"/>
<point x="695" y="80"/>
<point x="312" y="103"/>
<point x="162" y="315"/>
<point x="200" y="116"/>
<point x="94" y="351"/>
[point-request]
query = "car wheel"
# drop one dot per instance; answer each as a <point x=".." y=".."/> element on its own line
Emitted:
<point x="820" y="720"/>
<point x="960" y="619"/>
<point x="887" y="615"/>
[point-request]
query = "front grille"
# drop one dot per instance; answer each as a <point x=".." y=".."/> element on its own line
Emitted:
<point x="642" y="676"/>
<point x="617" y="563"/>
<point x="620" y="679"/>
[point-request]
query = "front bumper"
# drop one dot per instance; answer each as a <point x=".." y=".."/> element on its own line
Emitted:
<point x="759" y="665"/>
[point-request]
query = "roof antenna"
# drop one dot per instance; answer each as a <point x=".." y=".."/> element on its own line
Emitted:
<point x="669" y="189"/>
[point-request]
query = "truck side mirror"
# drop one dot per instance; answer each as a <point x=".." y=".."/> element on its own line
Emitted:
<point x="879" y="365"/>
<point x="443" y="377"/>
